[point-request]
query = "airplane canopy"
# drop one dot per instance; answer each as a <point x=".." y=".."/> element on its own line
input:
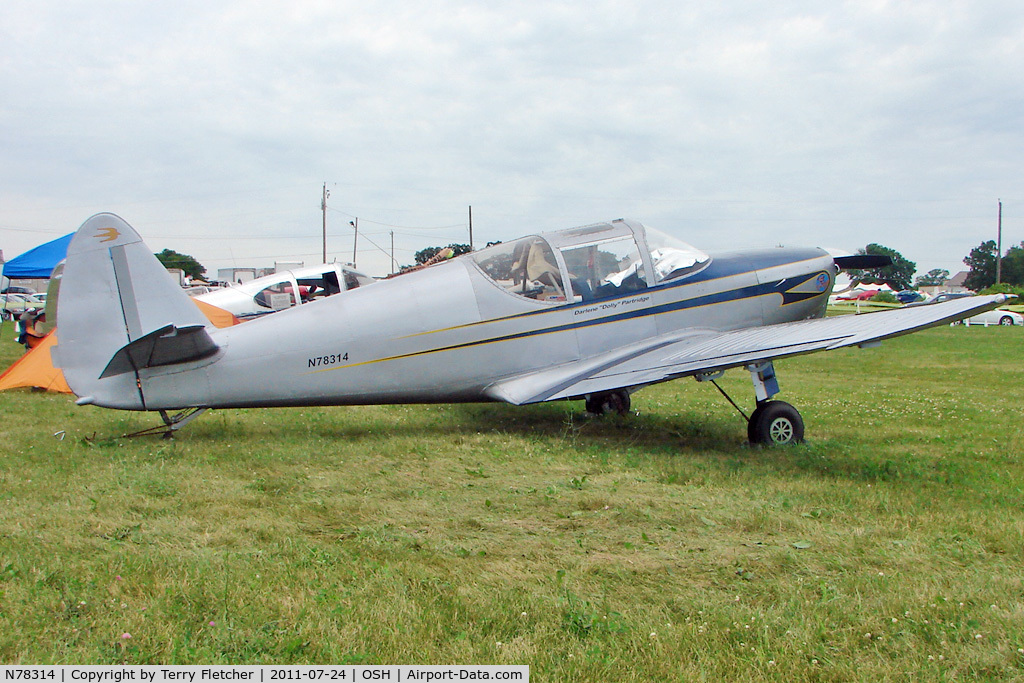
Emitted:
<point x="588" y="263"/>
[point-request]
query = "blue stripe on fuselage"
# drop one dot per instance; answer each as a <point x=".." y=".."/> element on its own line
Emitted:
<point x="728" y="266"/>
<point x="750" y="291"/>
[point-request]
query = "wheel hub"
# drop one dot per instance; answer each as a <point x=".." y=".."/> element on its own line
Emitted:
<point x="781" y="430"/>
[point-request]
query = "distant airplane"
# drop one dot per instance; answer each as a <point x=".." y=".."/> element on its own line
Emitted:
<point x="592" y="313"/>
<point x="285" y="289"/>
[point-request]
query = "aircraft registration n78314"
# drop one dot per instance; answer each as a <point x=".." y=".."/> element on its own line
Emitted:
<point x="592" y="313"/>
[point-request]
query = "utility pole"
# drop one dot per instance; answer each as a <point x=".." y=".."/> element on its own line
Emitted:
<point x="355" y="241"/>
<point x="999" y="245"/>
<point x="392" y="252"/>
<point x="323" y="208"/>
<point x="471" y="227"/>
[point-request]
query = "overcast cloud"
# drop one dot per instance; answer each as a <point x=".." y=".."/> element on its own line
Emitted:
<point x="211" y="126"/>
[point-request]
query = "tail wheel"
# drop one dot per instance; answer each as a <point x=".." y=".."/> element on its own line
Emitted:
<point x="775" y="423"/>
<point x="611" y="402"/>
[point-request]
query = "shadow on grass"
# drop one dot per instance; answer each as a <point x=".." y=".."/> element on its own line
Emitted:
<point x="671" y="442"/>
<point x="564" y="422"/>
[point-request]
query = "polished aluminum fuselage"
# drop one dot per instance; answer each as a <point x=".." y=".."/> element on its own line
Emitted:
<point x="448" y="333"/>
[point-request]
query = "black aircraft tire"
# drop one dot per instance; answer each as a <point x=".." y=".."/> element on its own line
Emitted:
<point x="775" y="423"/>
<point x="612" y="402"/>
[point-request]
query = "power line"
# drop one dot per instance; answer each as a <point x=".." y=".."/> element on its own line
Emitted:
<point x="402" y="227"/>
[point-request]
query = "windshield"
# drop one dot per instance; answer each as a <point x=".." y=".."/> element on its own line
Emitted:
<point x="673" y="258"/>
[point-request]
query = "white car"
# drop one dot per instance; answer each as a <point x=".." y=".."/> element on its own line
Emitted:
<point x="996" y="317"/>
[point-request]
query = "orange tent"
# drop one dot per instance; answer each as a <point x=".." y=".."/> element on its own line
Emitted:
<point x="216" y="315"/>
<point x="35" y="368"/>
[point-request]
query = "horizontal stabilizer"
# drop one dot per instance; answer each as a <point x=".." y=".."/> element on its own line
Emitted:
<point x="862" y="261"/>
<point x="167" y="346"/>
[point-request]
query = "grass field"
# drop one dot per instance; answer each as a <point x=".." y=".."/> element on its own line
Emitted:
<point x="653" y="547"/>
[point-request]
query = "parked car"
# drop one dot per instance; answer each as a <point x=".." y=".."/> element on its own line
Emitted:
<point x="15" y="289"/>
<point x="908" y="296"/>
<point x="15" y="304"/>
<point x="939" y="298"/>
<point x="857" y="295"/>
<point x="996" y="317"/>
<point x="949" y="296"/>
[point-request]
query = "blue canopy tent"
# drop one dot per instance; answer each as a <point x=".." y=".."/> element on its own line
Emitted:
<point x="36" y="263"/>
<point x="40" y="261"/>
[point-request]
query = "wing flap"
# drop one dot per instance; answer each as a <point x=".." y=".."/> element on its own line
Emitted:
<point x="671" y="356"/>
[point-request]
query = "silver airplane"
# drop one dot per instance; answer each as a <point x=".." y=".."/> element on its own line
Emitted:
<point x="592" y="313"/>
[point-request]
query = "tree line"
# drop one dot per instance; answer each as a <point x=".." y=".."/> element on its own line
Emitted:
<point x="982" y="262"/>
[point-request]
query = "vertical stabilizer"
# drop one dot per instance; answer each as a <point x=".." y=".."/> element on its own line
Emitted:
<point x="120" y="309"/>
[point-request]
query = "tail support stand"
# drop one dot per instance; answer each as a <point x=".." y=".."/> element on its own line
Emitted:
<point x="172" y="423"/>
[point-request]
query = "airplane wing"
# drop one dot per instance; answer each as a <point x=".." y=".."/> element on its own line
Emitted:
<point x="682" y="354"/>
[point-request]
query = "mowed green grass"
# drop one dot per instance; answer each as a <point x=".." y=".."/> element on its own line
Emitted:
<point x="655" y="547"/>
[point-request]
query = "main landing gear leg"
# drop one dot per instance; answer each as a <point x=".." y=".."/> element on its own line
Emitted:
<point x="773" y="423"/>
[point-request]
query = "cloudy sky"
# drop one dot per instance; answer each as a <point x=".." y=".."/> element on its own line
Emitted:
<point x="212" y="126"/>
